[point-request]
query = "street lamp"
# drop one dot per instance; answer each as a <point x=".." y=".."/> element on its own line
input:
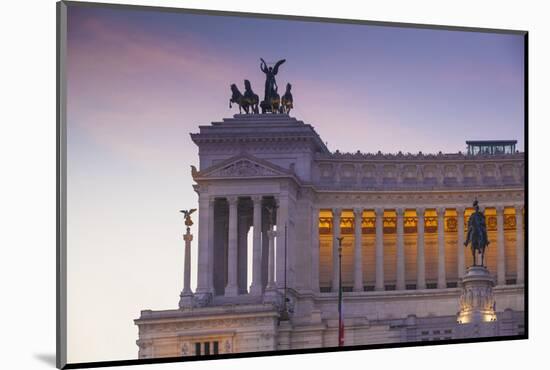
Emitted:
<point x="340" y="313"/>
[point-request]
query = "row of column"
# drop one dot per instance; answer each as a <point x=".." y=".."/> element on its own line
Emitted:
<point x="205" y="273"/>
<point x="256" y="287"/>
<point x="420" y="258"/>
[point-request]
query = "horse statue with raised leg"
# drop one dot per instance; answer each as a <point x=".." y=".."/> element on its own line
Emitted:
<point x="477" y="234"/>
<point x="273" y="105"/>
<point x="250" y="98"/>
<point x="287" y="103"/>
<point x="237" y="98"/>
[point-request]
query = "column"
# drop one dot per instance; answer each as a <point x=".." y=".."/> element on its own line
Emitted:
<point x="232" y="289"/>
<point x="282" y="222"/>
<point x="358" y="251"/>
<point x="379" y="249"/>
<point x="243" y="225"/>
<point x="441" y="275"/>
<point x="400" y="284"/>
<point x="203" y="251"/>
<point x="315" y="249"/>
<point x="266" y="222"/>
<point x="271" y="234"/>
<point x="519" y="244"/>
<point x="501" y="257"/>
<point x="335" y="235"/>
<point x="460" y="242"/>
<point x="211" y="223"/>
<point x="420" y="261"/>
<point x="256" y="286"/>
<point x="220" y="232"/>
<point x="188" y="237"/>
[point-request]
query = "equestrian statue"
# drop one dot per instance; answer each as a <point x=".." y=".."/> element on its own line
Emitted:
<point x="477" y="234"/>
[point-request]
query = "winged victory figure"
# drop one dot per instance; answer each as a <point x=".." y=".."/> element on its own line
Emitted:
<point x="270" y="83"/>
<point x="187" y="215"/>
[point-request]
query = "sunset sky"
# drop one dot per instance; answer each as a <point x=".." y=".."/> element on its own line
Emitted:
<point x="140" y="81"/>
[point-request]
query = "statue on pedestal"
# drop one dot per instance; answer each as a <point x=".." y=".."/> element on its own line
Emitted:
<point x="477" y="233"/>
<point x="477" y="301"/>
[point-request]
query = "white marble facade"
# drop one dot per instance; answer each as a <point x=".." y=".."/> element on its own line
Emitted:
<point x="402" y="217"/>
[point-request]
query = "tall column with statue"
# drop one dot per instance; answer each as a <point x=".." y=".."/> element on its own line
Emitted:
<point x="186" y="296"/>
<point x="477" y="301"/>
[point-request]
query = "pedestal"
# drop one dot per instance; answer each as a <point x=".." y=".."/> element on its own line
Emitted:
<point x="186" y="300"/>
<point x="477" y="313"/>
<point x="272" y="295"/>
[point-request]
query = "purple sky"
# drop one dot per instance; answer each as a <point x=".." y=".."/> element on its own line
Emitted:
<point x="140" y="81"/>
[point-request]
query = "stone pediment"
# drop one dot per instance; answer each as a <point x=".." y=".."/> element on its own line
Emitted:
<point x="244" y="166"/>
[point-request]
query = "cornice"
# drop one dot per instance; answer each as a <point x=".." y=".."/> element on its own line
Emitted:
<point x="419" y="157"/>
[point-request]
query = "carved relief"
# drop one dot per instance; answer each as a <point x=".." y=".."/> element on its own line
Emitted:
<point x="509" y="222"/>
<point x="389" y="175"/>
<point x="409" y="174"/>
<point x="451" y="224"/>
<point x="347" y="172"/>
<point x="477" y="298"/>
<point x="491" y="223"/>
<point x="325" y="171"/>
<point x="244" y="168"/>
<point x="369" y="175"/>
<point x="450" y="175"/>
<point x="410" y="224"/>
<point x="507" y="173"/>
<point x="470" y="174"/>
<point x="429" y="174"/>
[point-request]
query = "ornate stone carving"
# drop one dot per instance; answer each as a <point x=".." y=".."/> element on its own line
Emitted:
<point x="427" y="171"/>
<point x="451" y="224"/>
<point x="477" y="301"/>
<point x="244" y="168"/>
<point x="202" y="300"/>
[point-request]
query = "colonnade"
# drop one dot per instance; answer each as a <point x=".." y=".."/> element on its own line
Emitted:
<point x="358" y="278"/>
<point x="223" y="262"/>
<point x="222" y="247"/>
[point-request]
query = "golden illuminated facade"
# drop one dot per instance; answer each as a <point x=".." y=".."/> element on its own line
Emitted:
<point x="400" y="236"/>
<point x="272" y="201"/>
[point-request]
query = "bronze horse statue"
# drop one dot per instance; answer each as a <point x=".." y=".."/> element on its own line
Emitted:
<point x="251" y="98"/>
<point x="248" y="101"/>
<point x="287" y="103"/>
<point x="477" y="233"/>
<point x="273" y="105"/>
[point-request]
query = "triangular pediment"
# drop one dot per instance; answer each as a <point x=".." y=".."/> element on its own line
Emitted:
<point x="244" y="166"/>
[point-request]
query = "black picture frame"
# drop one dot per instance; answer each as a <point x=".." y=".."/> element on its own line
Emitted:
<point x="61" y="157"/>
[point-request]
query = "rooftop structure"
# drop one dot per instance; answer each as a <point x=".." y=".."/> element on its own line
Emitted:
<point x="491" y="147"/>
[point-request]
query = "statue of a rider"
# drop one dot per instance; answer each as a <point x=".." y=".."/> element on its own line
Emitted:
<point x="477" y="233"/>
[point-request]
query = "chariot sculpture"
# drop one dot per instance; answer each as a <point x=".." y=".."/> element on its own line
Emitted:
<point x="272" y="102"/>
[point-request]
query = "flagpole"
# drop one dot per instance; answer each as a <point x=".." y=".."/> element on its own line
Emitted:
<point x="340" y="313"/>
